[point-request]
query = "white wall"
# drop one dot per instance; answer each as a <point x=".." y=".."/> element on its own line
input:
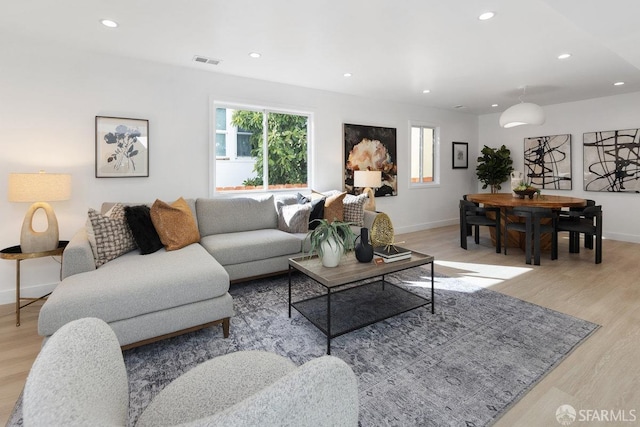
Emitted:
<point x="49" y="97"/>
<point x="620" y="210"/>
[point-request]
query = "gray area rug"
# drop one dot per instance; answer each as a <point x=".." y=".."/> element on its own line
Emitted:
<point x="465" y="365"/>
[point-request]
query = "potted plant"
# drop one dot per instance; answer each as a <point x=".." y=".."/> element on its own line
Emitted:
<point x="494" y="167"/>
<point x="330" y="240"/>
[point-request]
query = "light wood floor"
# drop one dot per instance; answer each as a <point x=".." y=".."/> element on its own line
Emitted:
<point x="601" y="374"/>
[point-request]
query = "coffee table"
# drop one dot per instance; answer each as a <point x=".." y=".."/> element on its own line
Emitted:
<point x="346" y="308"/>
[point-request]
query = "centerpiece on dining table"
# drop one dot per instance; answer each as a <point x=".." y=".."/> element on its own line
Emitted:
<point x="525" y="189"/>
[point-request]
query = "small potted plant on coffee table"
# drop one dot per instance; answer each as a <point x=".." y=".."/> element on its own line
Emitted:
<point x="331" y="240"/>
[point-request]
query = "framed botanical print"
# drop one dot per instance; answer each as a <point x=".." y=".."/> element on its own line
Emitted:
<point x="460" y="154"/>
<point x="122" y="147"/>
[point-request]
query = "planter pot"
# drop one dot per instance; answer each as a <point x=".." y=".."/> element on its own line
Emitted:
<point x="332" y="252"/>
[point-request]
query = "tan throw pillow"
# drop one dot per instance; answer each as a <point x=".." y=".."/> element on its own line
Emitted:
<point x="334" y="208"/>
<point x="175" y="224"/>
<point x="110" y="235"/>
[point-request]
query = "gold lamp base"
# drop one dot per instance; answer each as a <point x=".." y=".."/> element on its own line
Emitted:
<point x="370" y="205"/>
<point x="39" y="241"/>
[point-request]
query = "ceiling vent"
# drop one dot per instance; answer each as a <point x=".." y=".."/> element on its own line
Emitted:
<point x="205" y="60"/>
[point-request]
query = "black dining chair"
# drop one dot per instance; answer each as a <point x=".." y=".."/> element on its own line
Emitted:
<point x="533" y="227"/>
<point x="574" y="213"/>
<point x="587" y="221"/>
<point x="472" y="215"/>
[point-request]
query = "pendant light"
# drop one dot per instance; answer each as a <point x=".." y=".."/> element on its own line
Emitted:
<point x="525" y="113"/>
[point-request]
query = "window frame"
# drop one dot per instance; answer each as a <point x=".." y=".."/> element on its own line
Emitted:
<point x="214" y="105"/>
<point x="436" y="162"/>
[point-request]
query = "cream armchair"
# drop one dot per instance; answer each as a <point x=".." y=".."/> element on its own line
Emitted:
<point x="79" y="378"/>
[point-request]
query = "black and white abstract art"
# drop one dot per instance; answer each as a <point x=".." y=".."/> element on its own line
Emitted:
<point x="612" y="161"/>
<point x="547" y="161"/>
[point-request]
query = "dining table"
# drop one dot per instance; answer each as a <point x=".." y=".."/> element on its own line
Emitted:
<point x="506" y="201"/>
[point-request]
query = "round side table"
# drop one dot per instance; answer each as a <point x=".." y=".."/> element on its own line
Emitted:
<point x="15" y="253"/>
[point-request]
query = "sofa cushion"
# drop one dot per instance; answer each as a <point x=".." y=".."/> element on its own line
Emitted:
<point x="317" y="209"/>
<point x="175" y="224"/>
<point x="294" y="218"/>
<point x="246" y="246"/>
<point x="354" y="208"/>
<point x="228" y="215"/>
<point x="132" y="285"/>
<point x="334" y="207"/>
<point x="144" y="233"/>
<point x="109" y="235"/>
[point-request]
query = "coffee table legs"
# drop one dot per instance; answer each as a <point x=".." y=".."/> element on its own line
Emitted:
<point x="328" y="320"/>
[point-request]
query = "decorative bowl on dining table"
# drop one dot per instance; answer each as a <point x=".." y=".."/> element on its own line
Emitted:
<point x="529" y="191"/>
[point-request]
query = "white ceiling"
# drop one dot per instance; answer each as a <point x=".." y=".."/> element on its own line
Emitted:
<point x="395" y="49"/>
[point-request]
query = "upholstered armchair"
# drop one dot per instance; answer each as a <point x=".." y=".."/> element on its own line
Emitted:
<point x="79" y="379"/>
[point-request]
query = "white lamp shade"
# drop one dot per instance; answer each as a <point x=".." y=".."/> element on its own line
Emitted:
<point x="525" y="113"/>
<point x="39" y="187"/>
<point x="367" y="179"/>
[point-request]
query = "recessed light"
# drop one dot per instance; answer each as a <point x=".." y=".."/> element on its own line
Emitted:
<point x="459" y="106"/>
<point x="564" y="56"/>
<point x="494" y="105"/>
<point x="347" y="74"/>
<point x="109" y="23"/>
<point x="618" y="83"/>
<point x="487" y="15"/>
<point x="255" y="55"/>
<point x="426" y="91"/>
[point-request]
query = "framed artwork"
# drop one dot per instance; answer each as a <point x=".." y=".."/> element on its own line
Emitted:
<point x="371" y="148"/>
<point x="460" y="152"/>
<point x="612" y="161"/>
<point x="122" y="147"/>
<point x="547" y="162"/>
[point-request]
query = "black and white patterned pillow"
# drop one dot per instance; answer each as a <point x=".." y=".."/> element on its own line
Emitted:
<point x="354" y="208"/>
<point x="112" y="236"/>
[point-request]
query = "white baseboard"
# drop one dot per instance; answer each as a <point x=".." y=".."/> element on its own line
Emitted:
<point x="8" y="296"/>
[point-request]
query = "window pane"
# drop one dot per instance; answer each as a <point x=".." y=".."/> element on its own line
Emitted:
<point x="221" y="119"/>
<point x="427" y="155"/>
<point x="287" y="146"/>
<point x="243" y="145"/>
<point x="221" y="145"/>
<point x="415" y="154"/>
<point x="251" y="124"/>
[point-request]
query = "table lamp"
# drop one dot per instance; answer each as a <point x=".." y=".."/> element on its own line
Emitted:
<point x="367" y="180"/>
<point x="39" y="188"/>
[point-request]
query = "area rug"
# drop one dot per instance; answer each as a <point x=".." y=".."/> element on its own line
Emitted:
<point x="464" y="365"/>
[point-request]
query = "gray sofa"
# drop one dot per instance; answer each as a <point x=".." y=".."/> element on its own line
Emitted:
<point x="149" y="297"/>
<point x="79" y="379"/>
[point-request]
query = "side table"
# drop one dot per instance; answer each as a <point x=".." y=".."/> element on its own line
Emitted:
<point x="15" y="253"/>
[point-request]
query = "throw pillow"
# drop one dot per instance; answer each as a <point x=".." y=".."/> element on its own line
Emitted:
<point x="110" y="234"/>
<point x="334" y="208"/>
<point x="354" y="208"/>
<point x="317" y="209"/>
<point x="294" y="218"/>
<point x="175" y="224"/>
<point x="144" y="233"/>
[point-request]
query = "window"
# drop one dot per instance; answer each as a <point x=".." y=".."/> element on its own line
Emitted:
<point x="240" y="153"/>
<point x="424" y="155"/>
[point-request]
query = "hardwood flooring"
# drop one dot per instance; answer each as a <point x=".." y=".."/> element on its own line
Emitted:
<point x="600" y="375"/>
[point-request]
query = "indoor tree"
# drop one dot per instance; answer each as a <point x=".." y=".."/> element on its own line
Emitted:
<point x="494" y="167"/>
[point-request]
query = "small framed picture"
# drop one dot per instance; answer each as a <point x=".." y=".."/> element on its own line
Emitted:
<point x="122" y="147"/>
<point x="460" y="155"/>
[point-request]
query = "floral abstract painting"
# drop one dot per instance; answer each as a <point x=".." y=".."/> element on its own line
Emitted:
<point x="122" y="147"/>
<point x="371" y="148"/>
<point x="612" y="161"/>
<point x="547" y="162"/>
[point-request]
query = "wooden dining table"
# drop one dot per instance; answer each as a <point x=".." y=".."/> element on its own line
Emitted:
<point x="507" y="201"/>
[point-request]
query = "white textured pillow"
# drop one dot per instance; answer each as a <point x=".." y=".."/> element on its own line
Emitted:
<point x="294" y="218"/>
<point x="110" y="235"/>
<point x="354" y="208"/>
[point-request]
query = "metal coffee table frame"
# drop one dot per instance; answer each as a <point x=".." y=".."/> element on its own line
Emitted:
<point x="350" y="272"/>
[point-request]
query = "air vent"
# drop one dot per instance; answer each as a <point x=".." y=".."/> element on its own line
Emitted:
<point x="205" y="60"/>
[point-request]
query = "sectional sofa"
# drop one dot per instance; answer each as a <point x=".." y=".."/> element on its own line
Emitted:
<point x="169" y="292"/>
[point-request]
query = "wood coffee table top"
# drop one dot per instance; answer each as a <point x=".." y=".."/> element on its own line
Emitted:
<point x="351" y="270"/>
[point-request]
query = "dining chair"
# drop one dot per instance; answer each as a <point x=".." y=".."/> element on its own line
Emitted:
<point x="533" y="227"/>
<point x="472" y="215"/>
<point x="574" y="213"/>
<point x="587" y="221"/>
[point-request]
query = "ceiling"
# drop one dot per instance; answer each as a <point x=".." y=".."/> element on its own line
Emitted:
<point x="394" y="49"/>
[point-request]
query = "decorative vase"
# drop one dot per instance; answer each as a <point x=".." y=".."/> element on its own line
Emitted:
<point x="331" y="252"/>
<point x="364" y="250"/>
